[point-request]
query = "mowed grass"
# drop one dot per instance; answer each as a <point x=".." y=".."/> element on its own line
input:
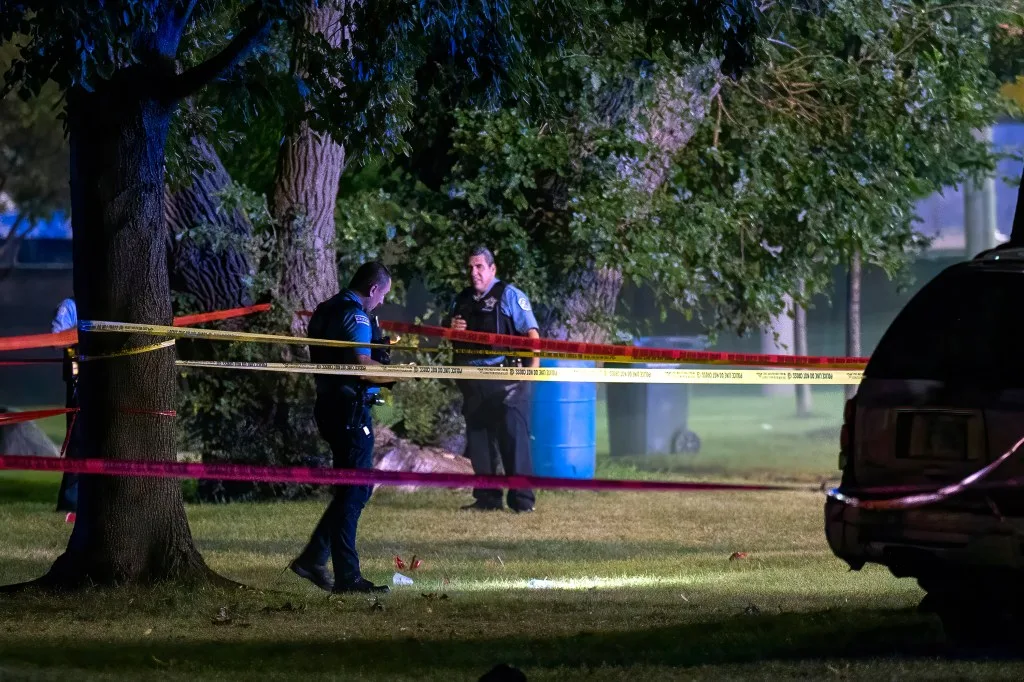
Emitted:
<point x="742" y="435"/>
<point x="640" y="585"/>
<point x="644" y="589"/>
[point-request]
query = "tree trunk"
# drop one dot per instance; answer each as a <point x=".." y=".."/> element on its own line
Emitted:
<point x="128" y="530"/>
<point x="777" y="338"/>
<point x="980" y="209"/>
<point x="803" y="391"/>
<point x="667" y="124"/>
<point x="309" y="167"/>
<point x="589" y="303"/>
<point x="305" y="194"/>
<point x="214" y="277"/>
<point x="853" y="314"/>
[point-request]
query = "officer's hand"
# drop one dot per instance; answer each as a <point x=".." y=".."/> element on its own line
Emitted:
<point x="458" y="324"/>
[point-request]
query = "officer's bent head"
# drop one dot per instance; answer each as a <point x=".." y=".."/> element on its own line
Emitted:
<point x="372" y="281"/>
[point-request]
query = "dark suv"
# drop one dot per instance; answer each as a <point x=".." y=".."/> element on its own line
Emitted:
<point x="943" y="396"/>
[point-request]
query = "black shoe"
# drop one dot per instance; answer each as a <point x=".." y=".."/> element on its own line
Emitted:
<point x="361" y="585"/>
<point x="522" y="510"/>
<point x="478" y="506"/>
<point x="318" y="575"/>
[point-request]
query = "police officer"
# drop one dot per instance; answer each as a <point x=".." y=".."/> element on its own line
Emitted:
<point x="65" y="318"/>
<point x="344" y="420"/>
<point x="496" y="412"/>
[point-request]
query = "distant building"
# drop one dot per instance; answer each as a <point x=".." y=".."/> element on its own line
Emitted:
<point x="942" y="215"/>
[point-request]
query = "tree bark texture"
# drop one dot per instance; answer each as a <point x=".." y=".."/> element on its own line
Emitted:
<point x="128" y="530"/>
<point x="309" y="168"/>
<point x="803" y="391"/>
<point x="680" y="103"/>
<point x="853" y="313"/>
<point x="590" y="301"/>
<point x="215" y="277"/>
<point x="778" y="338"/>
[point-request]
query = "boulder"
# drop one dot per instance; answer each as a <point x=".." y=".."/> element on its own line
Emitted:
<point x="26" y="438"/>
<point x="391" y="453"/>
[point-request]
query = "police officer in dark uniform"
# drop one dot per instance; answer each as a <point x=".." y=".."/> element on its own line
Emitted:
<point x="344" y="420"/>
<point x="496" y="412"/>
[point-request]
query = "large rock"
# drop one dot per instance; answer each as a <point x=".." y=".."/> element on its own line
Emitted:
<point x="25" y="439"/>
<point x="391" y="453"/>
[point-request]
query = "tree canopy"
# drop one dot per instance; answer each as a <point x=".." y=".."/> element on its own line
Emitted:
<point x="133" y="72"/>
<point x="853" y="111"/>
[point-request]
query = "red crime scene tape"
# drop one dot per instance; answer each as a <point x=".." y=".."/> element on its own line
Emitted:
<point x="31" y="415"/>
<point x="928" y="495"/>
<point x="635" y="352"/>
<point x="324" y="476"/>
<point x="70" y="337"/>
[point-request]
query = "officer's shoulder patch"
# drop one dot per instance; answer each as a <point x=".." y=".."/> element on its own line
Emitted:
<point x="523" y="303"/>
<point x="362" y="319"/>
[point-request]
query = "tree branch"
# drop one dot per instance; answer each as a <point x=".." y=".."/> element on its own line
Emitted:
<point x="13" y="240"/>
<point x="254" y="23"/>
<point x="187" y="11"/>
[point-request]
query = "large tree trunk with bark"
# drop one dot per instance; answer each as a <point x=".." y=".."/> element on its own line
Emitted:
<point x="853" y="313"/>
<point x="680" y="103"/>
<point x="214" y="275"/>
<point x="309" y="167"/>
<point x="215" y="278"/>
<point x="591" y="295"/>
<point x="305" y="194"/>
<point x="803" y="391"/>
<point x="128" y="530"/>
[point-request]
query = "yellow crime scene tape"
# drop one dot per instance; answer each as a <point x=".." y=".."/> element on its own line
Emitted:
<point x="221" y="335"/>
<point x="564" y="374"/>
<point x="127" y="352"/>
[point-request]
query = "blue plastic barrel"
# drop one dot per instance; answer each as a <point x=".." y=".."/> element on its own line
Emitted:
<point x="564" y="425"/>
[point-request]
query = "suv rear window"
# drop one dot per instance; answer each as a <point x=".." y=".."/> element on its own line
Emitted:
<point x="965" y="327"/>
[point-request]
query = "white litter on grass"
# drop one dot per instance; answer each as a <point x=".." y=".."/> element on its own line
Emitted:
<point x="400" y="579"/>
<point x="595" y="583"/>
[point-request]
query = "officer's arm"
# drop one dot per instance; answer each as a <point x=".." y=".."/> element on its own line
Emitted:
<point x="522" y="317"/>
<point x="370" y="362"/>
<point x="65" y="317"/>
<point x="358" y="329"/>
<point x="534" y="334"/>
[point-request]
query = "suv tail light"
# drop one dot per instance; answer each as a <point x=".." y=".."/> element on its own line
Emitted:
<point x="846" y="432"/>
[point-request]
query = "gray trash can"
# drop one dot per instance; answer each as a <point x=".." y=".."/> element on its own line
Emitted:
<point x="652" y="419"/>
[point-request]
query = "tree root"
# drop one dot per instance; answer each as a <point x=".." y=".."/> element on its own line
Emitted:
<point x="67" y="575"/>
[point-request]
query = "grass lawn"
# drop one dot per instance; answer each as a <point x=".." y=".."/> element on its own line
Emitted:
<point x="743" y="435"/>
<point x="645" y="589"/>
<point x="642" y="585"/>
